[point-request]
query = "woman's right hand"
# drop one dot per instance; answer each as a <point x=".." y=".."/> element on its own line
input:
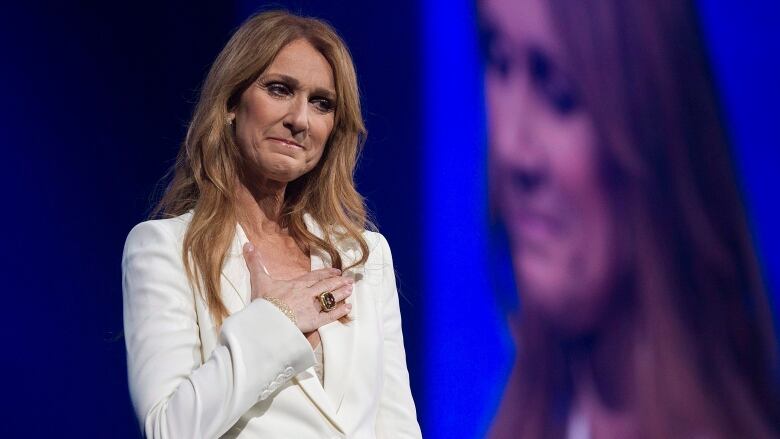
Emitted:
<point x="301" y="294"/>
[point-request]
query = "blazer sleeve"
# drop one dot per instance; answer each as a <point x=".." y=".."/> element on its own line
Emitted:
<point x="175" y="394"/>
<point x="397" y="416"/>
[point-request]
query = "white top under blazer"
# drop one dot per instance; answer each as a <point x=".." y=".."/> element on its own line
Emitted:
<point x="255" y="378"/>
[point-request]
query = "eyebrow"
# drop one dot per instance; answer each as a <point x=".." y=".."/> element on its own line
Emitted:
<point x="489" y="34"/>
<point x="295" y="83"/>
<point x="486" y="27"/>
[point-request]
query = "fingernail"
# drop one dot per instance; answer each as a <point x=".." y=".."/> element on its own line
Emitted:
<point x="348" y="306"/>
<point x="335" y="270"/>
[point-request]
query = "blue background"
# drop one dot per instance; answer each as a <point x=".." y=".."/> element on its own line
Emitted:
<point x="95" y="100"/>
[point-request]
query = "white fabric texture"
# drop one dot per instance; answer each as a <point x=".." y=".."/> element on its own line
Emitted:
<point x="319" y="363"/>
<point x="255" y="377"/>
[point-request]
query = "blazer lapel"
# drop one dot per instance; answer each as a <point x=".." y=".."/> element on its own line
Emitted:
<point x="310" y="385"/>
<point x="337" y="338"/>
<point x="236" y="284"/>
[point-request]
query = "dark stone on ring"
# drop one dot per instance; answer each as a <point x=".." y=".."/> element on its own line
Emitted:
<point x="327" y="301"/>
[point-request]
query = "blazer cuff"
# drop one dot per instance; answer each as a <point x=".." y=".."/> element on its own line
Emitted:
<point x="271" y="348"/>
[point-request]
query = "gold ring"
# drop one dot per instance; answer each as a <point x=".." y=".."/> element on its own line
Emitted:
<point x="327" y="301"/>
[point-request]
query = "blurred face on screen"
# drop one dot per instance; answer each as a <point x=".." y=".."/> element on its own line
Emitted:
<point x="544" y="164"/>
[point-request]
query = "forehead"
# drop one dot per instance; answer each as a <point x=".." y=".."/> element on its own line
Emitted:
<point x="521" y="22"/>
<point x="300" y="60"/>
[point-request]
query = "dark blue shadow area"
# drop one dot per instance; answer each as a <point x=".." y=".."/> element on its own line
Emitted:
<point x="96" y="100"/>
<point x="744" y="43"/>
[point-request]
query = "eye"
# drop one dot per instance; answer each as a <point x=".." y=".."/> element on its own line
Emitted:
<point x="500" y="62"/>
<point x="553" y="85"/>
<point x="323" y="104"/>
<point x="538" y="66"/>
<point x="562" y="95"/>
<point x="566" y="102"/>
<point x="495" y="56"/>
<point x="499" y="59"/>
<point x="278" y="89"/>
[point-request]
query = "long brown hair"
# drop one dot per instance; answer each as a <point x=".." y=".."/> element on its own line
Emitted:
<point x="703" y="350"/>
<point x="206" y="172"/>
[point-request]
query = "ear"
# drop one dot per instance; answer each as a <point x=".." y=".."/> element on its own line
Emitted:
<point x="230" y="118"/>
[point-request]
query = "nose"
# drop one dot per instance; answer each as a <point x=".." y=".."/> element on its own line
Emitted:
<point x="297" y="118"/>
<point x="525" y="148"/>
<point x="528" y="179"/>
<point x="530" y="164"/>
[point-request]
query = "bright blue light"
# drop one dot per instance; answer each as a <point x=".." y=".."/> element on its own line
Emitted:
<point x="467" y="352"/>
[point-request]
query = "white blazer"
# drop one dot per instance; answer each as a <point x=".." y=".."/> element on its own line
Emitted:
<point x="255" y="377"/>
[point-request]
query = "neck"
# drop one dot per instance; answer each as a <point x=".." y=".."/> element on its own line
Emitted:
<point x="602" y="362"/>
<point x="601" y="368"/>
<point x="260" y="204"/>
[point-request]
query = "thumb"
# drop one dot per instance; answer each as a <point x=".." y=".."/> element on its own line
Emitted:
<point x="255" y="264"/>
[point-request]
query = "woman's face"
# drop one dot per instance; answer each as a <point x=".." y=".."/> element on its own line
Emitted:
<point x="284" y="119"/>
<point x="543" y="156"/>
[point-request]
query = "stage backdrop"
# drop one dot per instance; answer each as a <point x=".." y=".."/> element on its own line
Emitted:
<point x="96" y="97"/>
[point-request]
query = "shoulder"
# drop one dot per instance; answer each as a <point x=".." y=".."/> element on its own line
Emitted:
<point x="378" y="248"/>
<point x="159" y="231"/>
<point x="152" y="259"/>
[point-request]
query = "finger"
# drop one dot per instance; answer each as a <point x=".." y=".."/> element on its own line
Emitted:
<point x="341" y="310"/>
<point x="331" y="284"/>
<point x="315" y="276"/>
<point x="340" y="294"/>
<point x="254" y="262"/>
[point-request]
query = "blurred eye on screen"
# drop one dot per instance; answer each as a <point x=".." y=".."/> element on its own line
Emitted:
<point x="554" y="86"/>
<point x="498" y="59"/>
<point x="495" y="55"/>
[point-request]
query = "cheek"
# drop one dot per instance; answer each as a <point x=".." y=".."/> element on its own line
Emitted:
<point x="496" y="100"/>
<point x="320" y="130"/>
<point x="589" y="213"/>
<point x="590" y="256"/>
<point x="254" y="117"/>
<point x="595" y="249"/>
<point x="574" y="281"/>
<point x="506" y="106"/>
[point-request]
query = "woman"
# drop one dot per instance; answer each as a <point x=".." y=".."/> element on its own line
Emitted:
<point x="260" y="307"/>
<point x="642" y="311"/>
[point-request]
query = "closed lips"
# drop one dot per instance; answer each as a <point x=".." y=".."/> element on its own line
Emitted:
<point x="287" y="142"/>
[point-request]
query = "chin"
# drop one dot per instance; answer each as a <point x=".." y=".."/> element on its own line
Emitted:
<point x="570" y="295"/>
<point x="569" y="310"/>
<point x="573" y="321"/>
<point x="284" y="172"/>
<point x="284" y="178"/>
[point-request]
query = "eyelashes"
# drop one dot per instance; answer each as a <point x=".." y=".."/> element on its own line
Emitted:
<point x="281" y="90"/>
<point x="323" y="104"/>
<point x="550" y="82"/>
<point x="276" y="89"/>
